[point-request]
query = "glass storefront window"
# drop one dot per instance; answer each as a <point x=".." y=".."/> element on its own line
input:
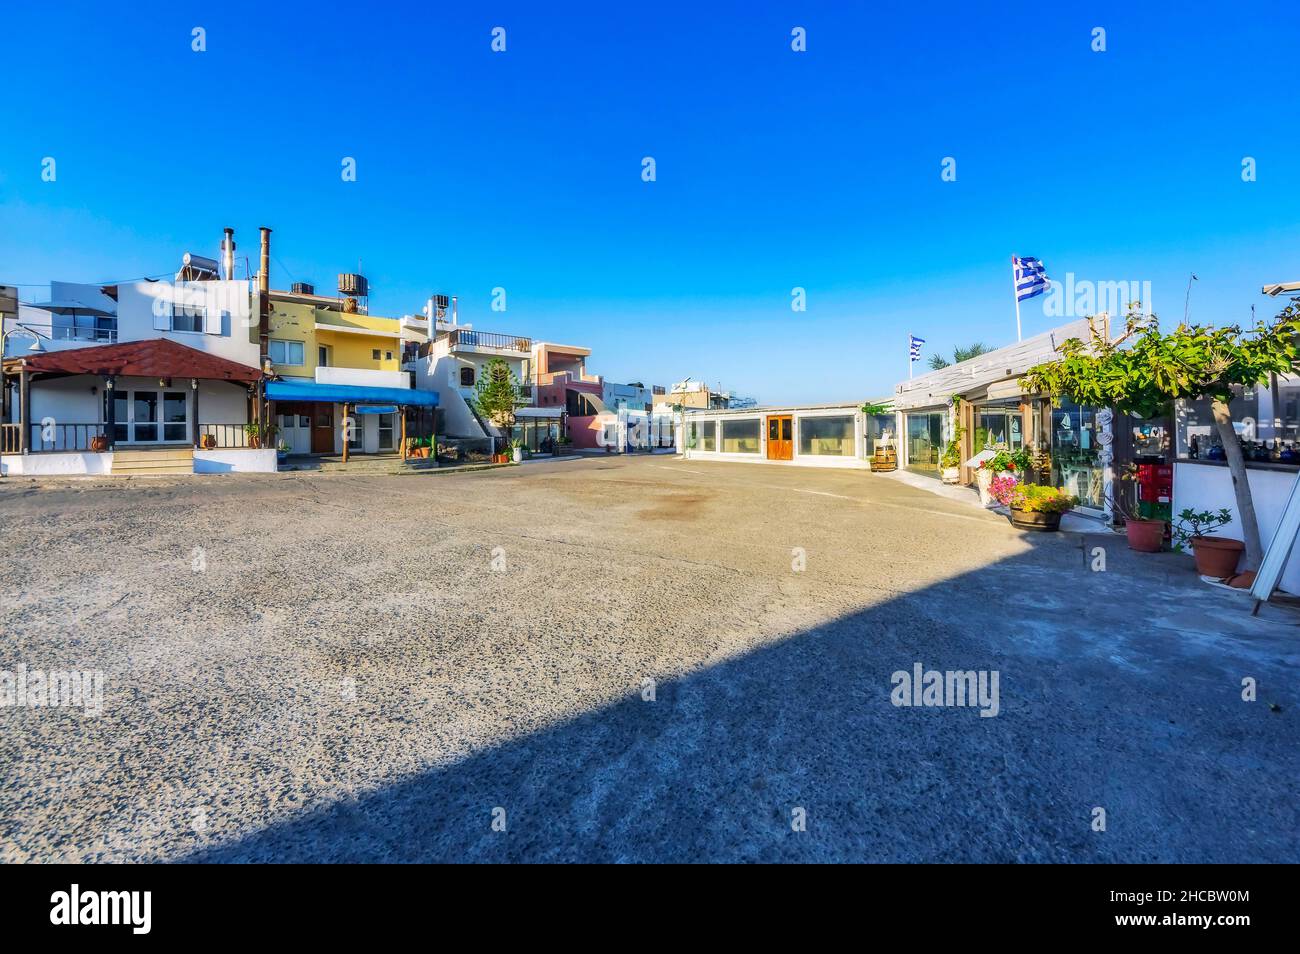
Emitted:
<point x="877" y="426"/>
<point x="826" y="436"/>
<point x="998" y="427"/>
<point x="925" y="442"/>
<point x="741" y="437"/>
<point x="1074" y="453"/>
<point x="708" y="435"/>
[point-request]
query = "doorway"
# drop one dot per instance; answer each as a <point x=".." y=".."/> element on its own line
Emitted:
<point x="780" y="438"/>
<point x="322" y="429"/>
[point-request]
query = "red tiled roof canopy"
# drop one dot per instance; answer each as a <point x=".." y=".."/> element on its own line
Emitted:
<point x="156" y="358"/>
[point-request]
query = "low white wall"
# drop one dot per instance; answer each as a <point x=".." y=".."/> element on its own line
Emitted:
<point x="363" y="377"/>
<point x="56" y="465"/>
<point x="235" y="461"/>
<point x="1209" y="487"/>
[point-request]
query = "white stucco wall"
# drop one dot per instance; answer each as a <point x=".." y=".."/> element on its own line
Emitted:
<point x="440" y="371"/>
<point x="56" y="465"/>
<point x="1204" y="486"/>
<point x="362" y="377"/>
<point x="235" y="461"/>
<point x="232" y="305"/>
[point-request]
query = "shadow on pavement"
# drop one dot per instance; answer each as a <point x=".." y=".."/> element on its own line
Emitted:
<point x="1117" y="689"/>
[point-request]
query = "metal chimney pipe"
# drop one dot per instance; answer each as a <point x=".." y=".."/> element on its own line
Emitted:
<point x="228" y="254"/>
<point x="264" y="275"/>
<point x="453" y="309"/>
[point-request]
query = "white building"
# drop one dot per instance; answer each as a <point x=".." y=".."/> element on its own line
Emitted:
<point x="811" y="435"/>
<point x="453" y="363"/>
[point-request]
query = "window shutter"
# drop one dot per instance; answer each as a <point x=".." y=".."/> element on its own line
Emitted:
<point x="211" y="314"/>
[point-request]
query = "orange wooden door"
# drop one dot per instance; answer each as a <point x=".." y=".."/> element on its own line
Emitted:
<point x="780" y="438"/>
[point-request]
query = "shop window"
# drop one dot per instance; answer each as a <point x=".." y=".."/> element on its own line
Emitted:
<point x="709" y="436"/>
<point x="741" y="437"/>
<point x="826" y="436"/>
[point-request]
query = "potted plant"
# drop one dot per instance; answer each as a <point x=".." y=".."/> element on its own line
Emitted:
<point x="1035" y="507"/>
<point x="1144" y="535"/>
<point x="1015" y="463"/>
<point x="1216" y="557"/>
<point x="99" y="443"/>
<point x="517" y="450"/>
<point x="282" y="452"/>
<point x="951" y="459"/>
<point x="259" y="434"/>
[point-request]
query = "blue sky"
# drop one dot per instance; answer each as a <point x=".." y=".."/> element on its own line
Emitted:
<point x="775" y="169"/>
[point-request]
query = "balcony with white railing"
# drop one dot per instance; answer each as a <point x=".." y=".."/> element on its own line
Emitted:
<point x="488" y="342"/>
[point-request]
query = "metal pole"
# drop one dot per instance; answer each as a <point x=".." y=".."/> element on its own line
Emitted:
<point x="1016" y="295"/>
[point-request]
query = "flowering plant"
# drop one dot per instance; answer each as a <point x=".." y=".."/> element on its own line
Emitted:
<point x="1003" y="461"/>
<point x="1034" y="498"/>
<point x="1002" y="487"/>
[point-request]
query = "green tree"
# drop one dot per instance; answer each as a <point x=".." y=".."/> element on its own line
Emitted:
<point x="496" y="395"/>
<point x="959" y="354"/>
<point x="1143" y="369"/>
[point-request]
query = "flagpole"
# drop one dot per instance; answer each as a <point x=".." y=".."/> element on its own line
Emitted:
<point x="1016" y="295"/>
<point x="910" y="362"/>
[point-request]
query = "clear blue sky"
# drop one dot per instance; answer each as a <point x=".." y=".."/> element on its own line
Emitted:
<point x="775" y="169"/>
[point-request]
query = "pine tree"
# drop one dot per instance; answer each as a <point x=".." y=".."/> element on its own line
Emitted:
<point x="497" y="394"/>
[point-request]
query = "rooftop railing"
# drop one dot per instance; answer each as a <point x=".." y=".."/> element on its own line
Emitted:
<point x="487" y="340"/>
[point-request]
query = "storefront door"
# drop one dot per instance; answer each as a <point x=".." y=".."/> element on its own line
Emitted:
<point x="322" y="429"/>
<point x="1075" y="468"/>
<point x="925" y="442"/>
<point x="780" y="438"/>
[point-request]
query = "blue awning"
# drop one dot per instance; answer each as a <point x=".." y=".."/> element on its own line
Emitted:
<point x="376" y="408"/>
<point x="349" y="394"/>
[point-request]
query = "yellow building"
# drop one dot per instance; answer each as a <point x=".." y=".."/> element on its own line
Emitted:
<point x="316" y="339"/>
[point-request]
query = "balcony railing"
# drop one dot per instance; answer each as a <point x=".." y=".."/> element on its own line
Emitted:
<point x="488" y="341"/>
<point x="98" y="331"/>
<point x="60" y="437"/>
<point x="68" y="438"/>
<point x="225" y="435"/>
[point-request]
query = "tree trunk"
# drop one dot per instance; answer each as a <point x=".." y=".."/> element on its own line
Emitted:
<point x="1240" y="484"/>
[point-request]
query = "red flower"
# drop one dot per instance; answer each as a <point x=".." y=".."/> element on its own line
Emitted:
<point x="1010" y="466"/>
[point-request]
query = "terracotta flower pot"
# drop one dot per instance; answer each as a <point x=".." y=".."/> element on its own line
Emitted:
<point x="1035" y="520"/>
<point x="1217" y="557"/>
<point x="1145" y="536"/>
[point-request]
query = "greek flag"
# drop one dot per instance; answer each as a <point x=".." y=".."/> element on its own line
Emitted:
<point x="1031" y="279"/>
<point x="914" y="346"/>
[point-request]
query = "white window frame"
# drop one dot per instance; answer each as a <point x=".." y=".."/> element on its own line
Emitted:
<point x="287" y="342"/>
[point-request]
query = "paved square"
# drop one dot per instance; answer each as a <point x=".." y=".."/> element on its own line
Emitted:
<point x="312" y="667"/>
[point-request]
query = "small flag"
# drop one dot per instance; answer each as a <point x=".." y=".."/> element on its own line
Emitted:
<point x="1031" y="279"/>
<point x="914" y="346"/>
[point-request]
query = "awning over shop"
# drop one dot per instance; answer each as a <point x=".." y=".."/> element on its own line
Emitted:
<point x="313" y="391"/>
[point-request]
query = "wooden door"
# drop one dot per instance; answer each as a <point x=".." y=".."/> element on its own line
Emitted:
<point x="780" y="438"/>
<point x="322" y="428"/>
